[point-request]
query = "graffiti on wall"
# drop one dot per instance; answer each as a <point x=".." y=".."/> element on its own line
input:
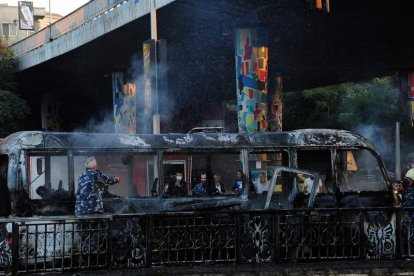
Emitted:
<point x="124" y="94"/>
<point x="252" y="79"/>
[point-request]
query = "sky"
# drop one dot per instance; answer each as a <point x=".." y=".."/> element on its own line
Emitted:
<point x="62" y="7"/>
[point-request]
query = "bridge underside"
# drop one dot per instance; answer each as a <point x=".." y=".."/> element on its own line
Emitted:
<point x="357" y="40"/>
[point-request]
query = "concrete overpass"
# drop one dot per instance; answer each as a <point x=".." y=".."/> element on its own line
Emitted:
<point x="310" y="48"/>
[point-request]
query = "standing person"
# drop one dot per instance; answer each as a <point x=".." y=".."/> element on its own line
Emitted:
<point x="307" y="188"/>
<point x="399" y="190"/>
<point x="238" y="184"/>
<point x="91" y="185"/>
<point x="263" y="184"/>
<point x="177" y="185"/>
<point x="218" y="187"/>
<point x="201" y="188"/>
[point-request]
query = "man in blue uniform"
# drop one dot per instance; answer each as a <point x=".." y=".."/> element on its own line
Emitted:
<point x="238" y="185"/>
<point x="201" y="188"/>
<point x="91" y="184"/>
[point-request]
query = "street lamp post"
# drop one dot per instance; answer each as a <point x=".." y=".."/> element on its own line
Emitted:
<point x="154" y="36"/>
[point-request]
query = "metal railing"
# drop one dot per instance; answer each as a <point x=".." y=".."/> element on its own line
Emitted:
<point x="37" y="245"/>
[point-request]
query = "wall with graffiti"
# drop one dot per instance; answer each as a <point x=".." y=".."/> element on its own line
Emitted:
<point x="124" y="99"/>
<point x="252" y="79"/>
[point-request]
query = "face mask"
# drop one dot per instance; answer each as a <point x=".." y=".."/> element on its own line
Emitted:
<point x="179" y="178"/>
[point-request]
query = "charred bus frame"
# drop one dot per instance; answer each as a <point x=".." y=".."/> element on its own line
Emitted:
<point x="340" y="218"/>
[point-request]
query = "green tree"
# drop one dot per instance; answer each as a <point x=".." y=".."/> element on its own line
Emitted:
<point x="343" y="106"/>
<point x="312" y="108"/>
<point x="324" y="105"/>
<point x="13" y="113"/>
<point x="13" y="109"/>
<point x="370" y="103"/>
<point x="7" y="67"/>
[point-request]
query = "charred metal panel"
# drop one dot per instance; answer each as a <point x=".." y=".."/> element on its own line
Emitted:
<point x="323" y="138"/>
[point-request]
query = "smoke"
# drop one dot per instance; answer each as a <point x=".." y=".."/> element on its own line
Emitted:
<point x="383" y="138"/>
<point x="103" y="123"/>
<point x="147" y="105"/>
<point x="377" y="135"/>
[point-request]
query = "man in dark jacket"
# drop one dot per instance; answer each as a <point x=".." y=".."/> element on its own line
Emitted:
<point x="177" y="185"/>
<point x="217" y="188"/>
<point x="91" y="184"/>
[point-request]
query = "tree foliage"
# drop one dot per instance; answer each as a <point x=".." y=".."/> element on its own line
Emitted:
<point x="13" y="109"/>
<point x="13" y="113"/>
<point x="344" y="106"/>
<point x="7" y="67"/>
<point x="370" y="103"/>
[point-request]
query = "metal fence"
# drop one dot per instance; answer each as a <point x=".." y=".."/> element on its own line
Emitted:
<point x="36" y="245"/>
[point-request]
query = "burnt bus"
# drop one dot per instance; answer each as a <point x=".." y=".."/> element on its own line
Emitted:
<point x="346" y="170"/>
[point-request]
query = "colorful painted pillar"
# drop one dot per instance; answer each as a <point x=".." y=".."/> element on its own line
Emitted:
<point x="124" y="100"/>
<point x="252" y="79"/>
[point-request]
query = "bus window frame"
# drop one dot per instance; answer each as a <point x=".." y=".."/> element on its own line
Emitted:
<point x="28" y="153"/>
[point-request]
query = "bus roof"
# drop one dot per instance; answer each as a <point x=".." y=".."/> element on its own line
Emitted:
<point x="324" y="138"/>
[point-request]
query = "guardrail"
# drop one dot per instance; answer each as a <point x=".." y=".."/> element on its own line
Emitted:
<point x="37" y="245"/>
<point x="66" y="24"/>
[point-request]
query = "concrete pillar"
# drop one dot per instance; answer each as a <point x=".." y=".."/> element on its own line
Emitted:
<point x="276" y="106"/>
<point x="252" y="79"/>
<point x="124" y="100"/>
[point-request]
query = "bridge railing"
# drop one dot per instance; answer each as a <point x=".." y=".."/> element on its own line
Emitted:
<point x="136" y="241"/>
<point x="66" y="24"/>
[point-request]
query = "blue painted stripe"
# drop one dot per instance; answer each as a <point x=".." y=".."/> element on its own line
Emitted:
<point x="249" y="82"/>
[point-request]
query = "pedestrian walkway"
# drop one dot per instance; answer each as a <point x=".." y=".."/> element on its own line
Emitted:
<point x="357" y="268"/>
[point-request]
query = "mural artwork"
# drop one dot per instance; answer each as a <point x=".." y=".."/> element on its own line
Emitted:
<point x="252" y="79"/>
<point x="124" y="94"/>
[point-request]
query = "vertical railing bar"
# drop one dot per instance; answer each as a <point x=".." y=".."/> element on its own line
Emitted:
<point x="276" y="239"/>
<point x="15" y="247"/>
<point x="362" y="240"/>
<point x="98" y="230"/>
<point x="35" y="251"/>
<point x="63" y="233"/>
<point x="149" y="228"/>
<point x="45" y="245"/>
<point x="109" y="244"/>
<point x="27" y="251"/>
<point x="73" y="244"/>
<point x="343" y="223"/>
<point x="90" y="231"/>
<point x="398" y="234"/>
<point x="301" y="235"/>
<point x="54" y="247"/>
<point x="238" y="255"/>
